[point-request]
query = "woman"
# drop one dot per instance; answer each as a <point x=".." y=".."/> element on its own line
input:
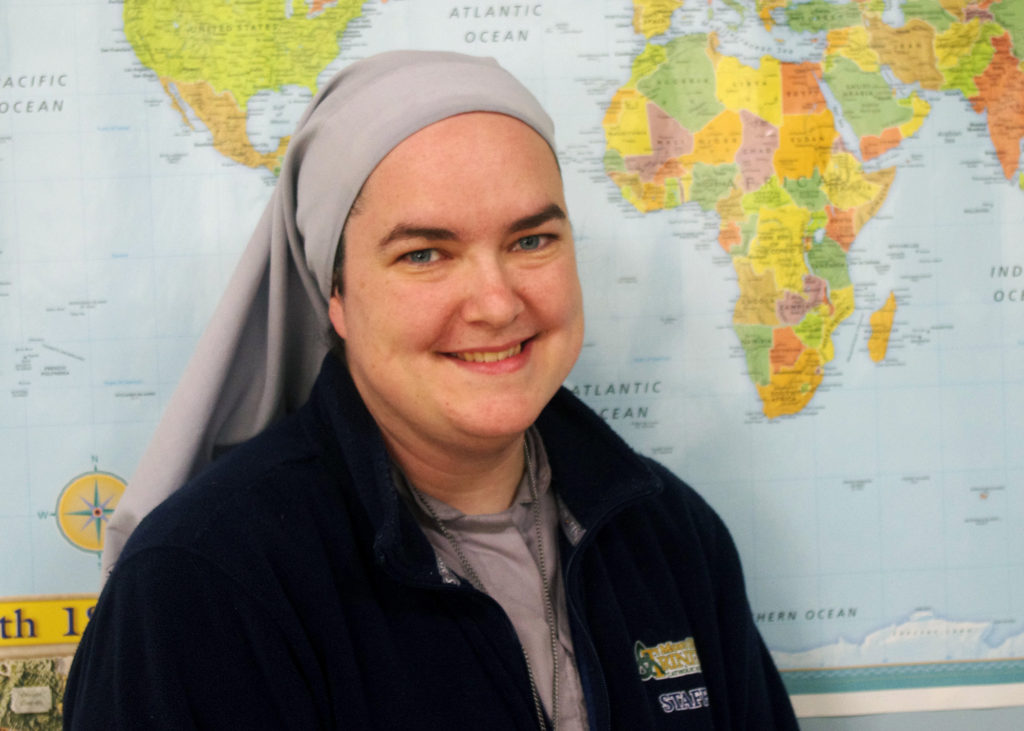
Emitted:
<point x="439" y="537"/>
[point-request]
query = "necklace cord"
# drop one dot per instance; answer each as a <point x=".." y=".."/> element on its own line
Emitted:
<point x="549" y="606"/>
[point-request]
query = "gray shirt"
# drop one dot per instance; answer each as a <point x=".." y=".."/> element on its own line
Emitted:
<point x="501" y="548"/>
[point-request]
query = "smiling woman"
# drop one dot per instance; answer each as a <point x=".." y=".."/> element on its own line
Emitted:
<point x="477" y="331"/>
<point x="431" y="532"/>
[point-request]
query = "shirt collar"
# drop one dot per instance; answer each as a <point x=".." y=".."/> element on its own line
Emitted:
<point x="592" y="468"/>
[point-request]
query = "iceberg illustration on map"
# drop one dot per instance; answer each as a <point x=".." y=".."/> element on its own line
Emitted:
<point x="891" y="658"/>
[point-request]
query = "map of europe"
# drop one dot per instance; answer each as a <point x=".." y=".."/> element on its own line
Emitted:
<point x="798" y="227"/>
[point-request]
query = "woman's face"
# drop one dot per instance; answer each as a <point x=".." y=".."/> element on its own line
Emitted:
<point x="462" y="312"/>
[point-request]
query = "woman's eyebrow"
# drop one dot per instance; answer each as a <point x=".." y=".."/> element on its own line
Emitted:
<point x="401" y="231"/>
<point x="552" y="212"/>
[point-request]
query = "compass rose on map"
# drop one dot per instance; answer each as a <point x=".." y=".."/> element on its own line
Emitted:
<point x="84" y="507"/>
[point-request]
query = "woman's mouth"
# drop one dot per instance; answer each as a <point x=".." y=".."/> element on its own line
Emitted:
<point x="488" y="356"/>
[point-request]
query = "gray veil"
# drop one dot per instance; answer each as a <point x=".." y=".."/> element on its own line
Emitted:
<point x="261" y="351"/>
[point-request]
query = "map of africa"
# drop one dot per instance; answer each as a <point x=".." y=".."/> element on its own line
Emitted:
<point x="799" y="233"/>
<point x="762" y="147"/>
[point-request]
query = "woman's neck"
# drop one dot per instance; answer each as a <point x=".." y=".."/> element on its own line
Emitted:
<point x="473" y="482"/>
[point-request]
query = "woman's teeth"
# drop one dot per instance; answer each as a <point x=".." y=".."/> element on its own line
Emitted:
<point x="490" y="357"/>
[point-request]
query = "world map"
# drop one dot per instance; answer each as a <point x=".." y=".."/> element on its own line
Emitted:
<point x="799" y="234"/>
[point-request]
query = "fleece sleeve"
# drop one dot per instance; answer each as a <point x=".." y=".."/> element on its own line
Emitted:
<point x="176" y="644"/>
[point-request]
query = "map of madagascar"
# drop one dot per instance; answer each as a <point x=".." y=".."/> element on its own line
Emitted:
<point x="760" y="146"/>
<point x="213" y="57"/>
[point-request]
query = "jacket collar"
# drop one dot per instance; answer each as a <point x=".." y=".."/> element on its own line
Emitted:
<point x="593" y="470"/>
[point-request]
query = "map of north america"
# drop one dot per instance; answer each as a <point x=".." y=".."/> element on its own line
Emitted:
<point x="214" y="57"/>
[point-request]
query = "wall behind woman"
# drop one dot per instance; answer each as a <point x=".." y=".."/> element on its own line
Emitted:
<point x="799" y="236"/>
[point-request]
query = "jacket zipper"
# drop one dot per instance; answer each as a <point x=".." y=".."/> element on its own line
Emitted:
<point x="509" y="627"/>
<point x="574" y="611"/>
<point x="474" y="594"/>
<point x="596" y="674"/>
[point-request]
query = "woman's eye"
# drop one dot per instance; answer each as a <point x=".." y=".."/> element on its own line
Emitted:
<point x="421" y="256"/>
<point x="529" y="243"/>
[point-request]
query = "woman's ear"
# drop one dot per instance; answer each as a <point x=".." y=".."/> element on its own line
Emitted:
<point x="336" y="313"/>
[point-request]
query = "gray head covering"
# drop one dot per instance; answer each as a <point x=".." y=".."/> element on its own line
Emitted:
<point x="261" y="351"/>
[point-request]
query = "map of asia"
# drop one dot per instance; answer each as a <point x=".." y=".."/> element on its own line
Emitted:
<point x="800" y="230"/>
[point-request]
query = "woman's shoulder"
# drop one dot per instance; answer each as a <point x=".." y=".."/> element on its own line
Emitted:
<point x="252" y="500"/>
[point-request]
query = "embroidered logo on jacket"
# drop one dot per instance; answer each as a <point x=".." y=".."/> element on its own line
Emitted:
<point x="667" y="660"/>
